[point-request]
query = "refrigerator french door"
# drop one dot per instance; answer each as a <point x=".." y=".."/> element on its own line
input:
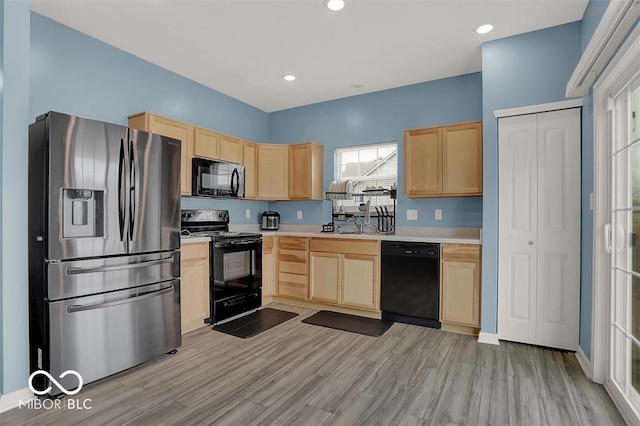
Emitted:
<point x="104" y="239"/>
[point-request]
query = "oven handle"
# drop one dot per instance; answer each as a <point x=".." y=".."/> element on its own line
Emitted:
<point x="80" y="270"/>
<point x="127" y="299"/>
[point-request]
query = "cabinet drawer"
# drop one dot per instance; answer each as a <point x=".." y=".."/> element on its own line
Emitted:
<point x="293" y="243"/>
<point x="460" y="252"/>
<point x="330" y="245"/>
<point x="292" y="261"/>
<point x="292" y="285"/>
<point x="194" y="251"/>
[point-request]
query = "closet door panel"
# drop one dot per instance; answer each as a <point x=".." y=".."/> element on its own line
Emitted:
<point x="517" y="228"/>
<point x="558" y="238"/>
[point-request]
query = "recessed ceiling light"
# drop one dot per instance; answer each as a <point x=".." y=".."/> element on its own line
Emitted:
<point x="289" y="77"/>
<point x="334" y="5"/>
<point x="483" y="29"/>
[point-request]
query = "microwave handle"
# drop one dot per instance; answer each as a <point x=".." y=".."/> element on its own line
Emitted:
<point x="236" y="175"/>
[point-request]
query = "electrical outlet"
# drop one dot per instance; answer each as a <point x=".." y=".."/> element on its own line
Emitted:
<point x="412" y="214"/>
<point x="438" y="215"/>
<point x="247" y="213"/>
<point x="299" y="215"/>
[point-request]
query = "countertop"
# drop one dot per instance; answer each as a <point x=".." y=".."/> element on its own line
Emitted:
<point x="410" y="234"/>
<point x="186" y="239"/>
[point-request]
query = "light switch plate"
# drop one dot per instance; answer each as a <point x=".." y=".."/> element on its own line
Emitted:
<point x="247" y="213"/>
<point x="438" y="215"/>
<point x="299" y="215"/>
<point x="412" y="214"/>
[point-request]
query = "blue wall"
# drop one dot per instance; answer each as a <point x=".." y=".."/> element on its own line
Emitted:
<point x="2" y="5"/>
<point x="382" y="117"/>
<point x="77" y="74"/>
<point x="590" y="20"/>
<point x="527" y="69"/>
<point x="15" y="113"/>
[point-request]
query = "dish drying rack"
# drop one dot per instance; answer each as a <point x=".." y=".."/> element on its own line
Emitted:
<point x="385" y="219"/>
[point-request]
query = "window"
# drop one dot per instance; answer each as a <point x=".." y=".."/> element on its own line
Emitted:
<point x="368" y="166"/>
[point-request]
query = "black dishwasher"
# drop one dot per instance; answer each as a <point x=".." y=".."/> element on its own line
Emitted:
<point x="410" y="283"/>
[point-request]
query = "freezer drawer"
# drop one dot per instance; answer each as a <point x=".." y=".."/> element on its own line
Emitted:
<point x="101" y="335"/>
<point x="86" y="277"/>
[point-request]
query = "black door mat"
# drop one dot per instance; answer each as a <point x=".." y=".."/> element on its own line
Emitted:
<point x="352" y="323"/>
<point x="255" y="323"/>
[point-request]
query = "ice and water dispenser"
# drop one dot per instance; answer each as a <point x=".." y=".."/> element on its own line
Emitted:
<point x="82" y="212"/>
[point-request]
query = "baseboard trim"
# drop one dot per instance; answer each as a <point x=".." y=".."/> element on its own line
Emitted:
<point x="488" y="338"/>
<point x="627" y="412"/>
<point x="584" y="363"/>
<point x="12" y="400"/>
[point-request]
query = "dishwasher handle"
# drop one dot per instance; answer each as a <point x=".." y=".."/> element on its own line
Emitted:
<point x="404" y="249"/>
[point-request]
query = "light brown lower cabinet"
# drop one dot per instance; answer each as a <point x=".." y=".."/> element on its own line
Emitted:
<point x="292" y="267"/>
<point x="460" y="286"/>
<point x="269" y="268"/>
<point x="194" y="285"/>
<point x="345" y="272"/>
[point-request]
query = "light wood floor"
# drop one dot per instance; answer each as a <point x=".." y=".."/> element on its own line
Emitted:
<point x="298" y="374"/>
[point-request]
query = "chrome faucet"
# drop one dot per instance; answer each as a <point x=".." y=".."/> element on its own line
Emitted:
<point x="354" y="220"/>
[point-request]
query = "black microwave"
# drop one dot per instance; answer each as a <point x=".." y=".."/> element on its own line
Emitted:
<point x="217" y="179"/>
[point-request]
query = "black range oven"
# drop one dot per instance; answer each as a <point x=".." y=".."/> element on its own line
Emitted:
<point x="235" y="263"/>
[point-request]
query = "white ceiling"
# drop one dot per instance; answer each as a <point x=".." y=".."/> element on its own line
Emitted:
<point x="243" y="47"/>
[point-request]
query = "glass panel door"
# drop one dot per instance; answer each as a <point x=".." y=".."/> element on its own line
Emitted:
<point x="625" y="238"/>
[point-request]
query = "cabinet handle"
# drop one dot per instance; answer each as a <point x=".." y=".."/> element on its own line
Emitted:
<point x="531" y="243"/>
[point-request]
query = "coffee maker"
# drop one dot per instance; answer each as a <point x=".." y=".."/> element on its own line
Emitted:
<point x="270" y="221"/>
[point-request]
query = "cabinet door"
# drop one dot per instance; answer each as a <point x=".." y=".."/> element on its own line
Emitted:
<point x="194" y="286"/>
<point x="206" y="144"/>
<point x="360" y="281"/>
<point x="462" y="159"/>
<point x="305" y="171"/>
<point x="300" y="171"/>
<point x="273" y="166"/>
<point x="250" y="161"/>
<point x="460" y="299"/>
<point x="423" y="165"/>
<point x="231" y="149"/>
<point x="268" y="266"/>
<point x="324" y="277"/>
<point x="183" y="132"/>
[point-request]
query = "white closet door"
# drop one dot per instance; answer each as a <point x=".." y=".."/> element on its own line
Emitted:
<point x="539" y="217"/>
<point x="518" y="217"/>
<point x="558" y="241"/>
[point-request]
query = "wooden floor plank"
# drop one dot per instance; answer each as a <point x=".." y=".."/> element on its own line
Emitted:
<point x="302" y="374"/>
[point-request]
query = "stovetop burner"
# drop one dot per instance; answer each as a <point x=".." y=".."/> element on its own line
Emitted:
<point x="213" y="224"/>
<point x="219" y="234"/>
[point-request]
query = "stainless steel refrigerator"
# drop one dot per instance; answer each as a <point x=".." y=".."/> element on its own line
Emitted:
<point x="104" y="239"/>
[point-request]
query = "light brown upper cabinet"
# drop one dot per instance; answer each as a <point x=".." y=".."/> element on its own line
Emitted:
<point x="231" y="149"/>
<point x="173" y="129"/>
<point x="250" y="162"/>
<point x="305" y="171"/>
<point x="273" y="171"/>
<point x="444" y="161"/>
<point x="206" y="144"/>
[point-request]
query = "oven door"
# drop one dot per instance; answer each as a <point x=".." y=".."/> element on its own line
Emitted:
<point x="236" y="270"/>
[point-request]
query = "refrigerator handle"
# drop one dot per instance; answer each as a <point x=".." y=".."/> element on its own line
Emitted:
<point x="133" y="205"/>
<point x="122" y="219"/>
<point x="127" y="299"/>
